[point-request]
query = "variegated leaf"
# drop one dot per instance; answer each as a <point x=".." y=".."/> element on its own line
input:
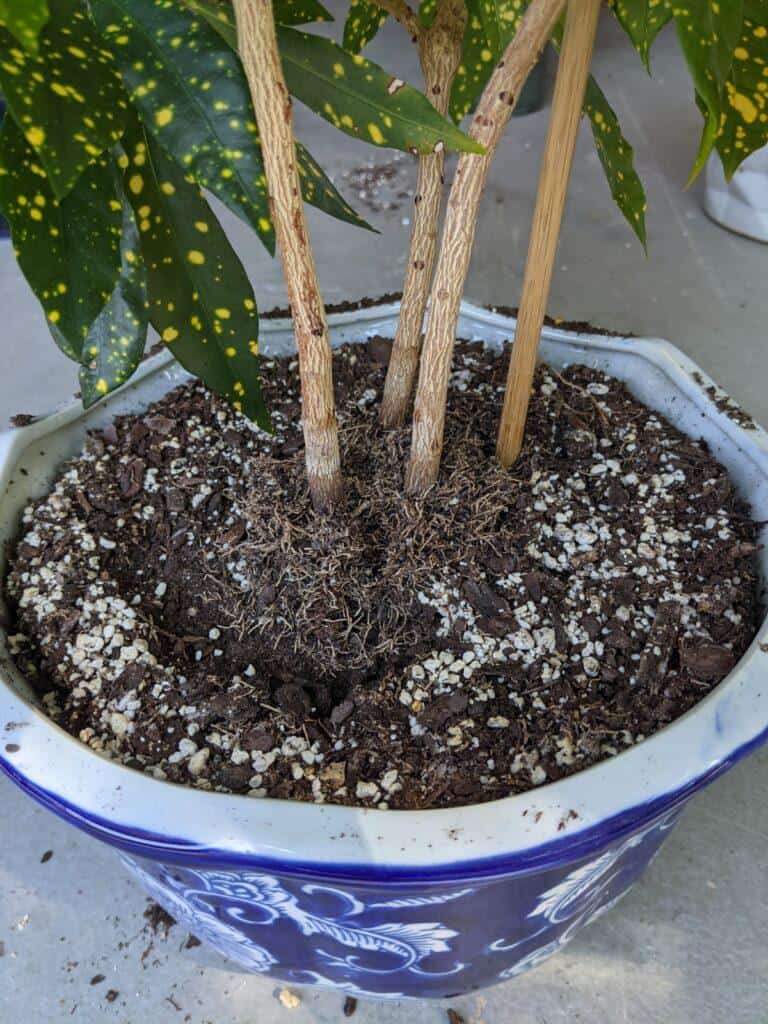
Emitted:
<point x="200" y="300"/>
<point x="617" y="159"/>
<point x="115" y="342"/>
<point x="24" y="19"/>
<point x="480" y="52"/>
<point x="427" y="11"/>
<point x="68" y="100"/>
<point x="169" y="59"/>
<point x="642" y="20"/>
<point x="708" y="31"/>
<point x="210" y="132"/>
<point x="299" y="12"/>
<point x="363" y="100"/>
<point x="744" y="125"/>
<point x="286" y="12"/>
<point x="68" y="249"/>
<point x="615" y="152"/>
<point x="364" y="20"/>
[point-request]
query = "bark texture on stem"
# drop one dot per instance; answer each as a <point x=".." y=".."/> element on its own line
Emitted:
<point x="257" y="44"/>
<point x="494" y="110"/>
<point x="570" y="84"/>
<point x="440" y="54"/>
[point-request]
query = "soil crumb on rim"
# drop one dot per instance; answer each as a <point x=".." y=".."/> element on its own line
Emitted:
<point x="181" y="609"/>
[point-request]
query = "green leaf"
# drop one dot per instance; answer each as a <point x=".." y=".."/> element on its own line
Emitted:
<point x="200" y="300"/>
<point x="427" y="11"/>
<point x="316" y="187"/>
<point x="115" y="342"/>
<point x="68" y="100"/>
<point x="642" y="20"/>
<point x="364" y="20"/>
<point x="318" y="190"/>
<point x="744" y="125"/>
<point x="480" y="53"/>
<point x="491" y="16"/>
<point x="210" y="131"/>
<point x="191" y="93"/>
<point x="615" y="152"/>
<point x="616" y="156"/>
<point x="361" y="99"/>
<point x="708" y="32"/>
<point x="68" y="249"/>
<point x="24" y="19"/>
<point x="219" y="15"/>
<point x="299" y="12"/>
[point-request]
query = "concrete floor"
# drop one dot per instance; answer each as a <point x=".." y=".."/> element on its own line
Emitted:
<point x="691" y="942"/>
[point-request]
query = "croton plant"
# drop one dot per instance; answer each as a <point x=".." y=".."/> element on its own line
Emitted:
<point x="122" y="114"/>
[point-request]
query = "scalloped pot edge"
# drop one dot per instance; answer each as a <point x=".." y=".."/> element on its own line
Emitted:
<point x="613" y="799"/>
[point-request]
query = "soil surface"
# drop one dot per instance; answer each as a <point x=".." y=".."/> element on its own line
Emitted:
<point x="182" y="609"/>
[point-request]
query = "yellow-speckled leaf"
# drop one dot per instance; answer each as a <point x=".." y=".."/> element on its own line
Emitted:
<point x="221" y="16"/>
<point x="68" y="100"/>
<point x="615" y="152"/>
<point x="191" y="94"/>
<point x="363" y="100"/>
<point x="364" y="20"/>
<point x="491" y="14"/>
<point x="115" y="342"/>
<point x="427" y="11"/>
<point x="68" y="249"/>
<point x="200" y="300"/>
<point x="642" y="20"/>
<point x="24" y="19"/>
<point x="199" y="106"/>
<point x="708" y="31"/>
<point x="480" y="52"/>
<point x="617" y="158"/>
<point x="299" y="12"/>
<point x="744" y="125"/>
<point x="318" y="190"/>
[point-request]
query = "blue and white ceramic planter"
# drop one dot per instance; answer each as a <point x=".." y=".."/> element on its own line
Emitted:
<point x="396" y="903"/>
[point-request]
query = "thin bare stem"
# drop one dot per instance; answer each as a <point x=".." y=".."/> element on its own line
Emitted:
<point x="494" y="110"/>
<point x="257" y="43"/>
<point x="440" y="53"/>
<point x="571" y="82"/>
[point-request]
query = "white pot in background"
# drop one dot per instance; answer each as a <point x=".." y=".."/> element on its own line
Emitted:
<point x="741" y="204"/>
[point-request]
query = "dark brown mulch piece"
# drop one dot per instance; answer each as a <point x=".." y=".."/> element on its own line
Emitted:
<point x="507" y="630"/>
<point x="454" y="1017"/>
<point x="709" y="662"/>
<point x="380" y="350"/>
<point x="46" y="856"/>
<point x="159" y="921"/>
<point x="192" y="942"/>
<point x="97" y="979"/>
<point x="23" y="419"/>
<point x="111" y="995"/>
<point x="350" y="1006"/>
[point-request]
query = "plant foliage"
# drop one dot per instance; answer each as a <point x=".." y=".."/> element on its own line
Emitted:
<point x="119" y="113"/>
<point x="725" y="46"/>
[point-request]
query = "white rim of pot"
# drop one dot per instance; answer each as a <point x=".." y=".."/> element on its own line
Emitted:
<point x="556" y="822"/>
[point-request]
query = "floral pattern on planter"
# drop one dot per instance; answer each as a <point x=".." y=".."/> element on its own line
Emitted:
<point x="391" y="940"/>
